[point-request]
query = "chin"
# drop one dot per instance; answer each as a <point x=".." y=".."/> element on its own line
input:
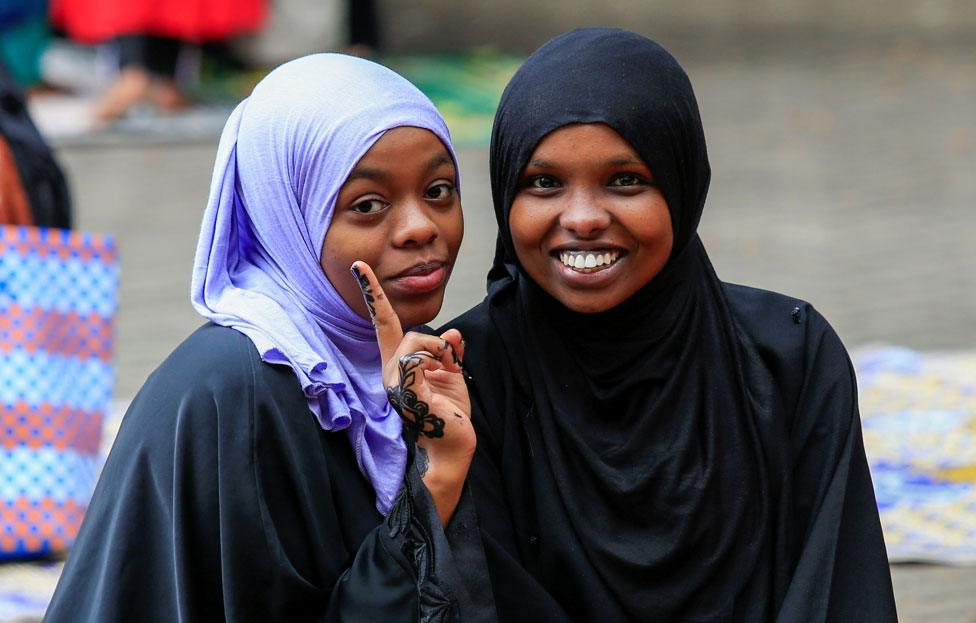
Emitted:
<point x="417" y="313"/>
<point x="588" y="307"/>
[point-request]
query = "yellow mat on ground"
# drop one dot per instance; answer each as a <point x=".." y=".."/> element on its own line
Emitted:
<point x="919" y="419"/>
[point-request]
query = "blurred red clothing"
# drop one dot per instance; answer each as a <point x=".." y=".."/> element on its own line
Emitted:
<point x="92" y="21"/>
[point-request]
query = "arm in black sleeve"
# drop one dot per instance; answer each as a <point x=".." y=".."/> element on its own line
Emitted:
<point x="841" y="572"/>
<point x="447" y="570"/>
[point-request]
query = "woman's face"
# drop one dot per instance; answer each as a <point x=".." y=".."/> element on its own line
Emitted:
<point x="399" y="212"/>
<point x="588" y="222"/>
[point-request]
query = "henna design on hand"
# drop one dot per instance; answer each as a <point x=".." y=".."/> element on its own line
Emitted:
<point x="415" y="412"/>
<point x="367" y="290"/>
<point x="454" y="357"/>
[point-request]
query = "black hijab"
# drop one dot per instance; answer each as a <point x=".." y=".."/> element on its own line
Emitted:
<point x="654" y="480"/>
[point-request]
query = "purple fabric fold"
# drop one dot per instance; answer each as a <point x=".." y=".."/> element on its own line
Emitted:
<point x="283" y="156"/>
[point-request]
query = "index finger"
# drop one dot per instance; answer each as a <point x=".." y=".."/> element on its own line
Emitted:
<point x="389" y="333"/>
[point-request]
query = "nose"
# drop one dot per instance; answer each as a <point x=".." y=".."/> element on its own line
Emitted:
<point x="413" y="225"/>
<point x="584" y="215"/>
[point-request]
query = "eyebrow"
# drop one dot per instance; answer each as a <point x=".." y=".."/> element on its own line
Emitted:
<point x="367" y="173"/>
<point x="625" y="160"/>
<point x="380" y="175"/>
<point x="439" y="160"/>
<point x="618" y="161"/>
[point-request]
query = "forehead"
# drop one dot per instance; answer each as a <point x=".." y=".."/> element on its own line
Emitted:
<point x="584" y="142"/>
<point x="403" y="142"/>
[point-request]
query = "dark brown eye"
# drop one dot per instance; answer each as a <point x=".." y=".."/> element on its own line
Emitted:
<point x="440" y="191"/>
<point x="627" y="179"/>
<point x="543" y="182"/>
<point x="369" y="206"/>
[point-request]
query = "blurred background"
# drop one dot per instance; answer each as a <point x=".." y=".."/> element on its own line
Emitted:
<point x="842" y="139"/>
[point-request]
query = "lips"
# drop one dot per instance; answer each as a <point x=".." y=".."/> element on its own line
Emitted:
<point x="420" y="278"/>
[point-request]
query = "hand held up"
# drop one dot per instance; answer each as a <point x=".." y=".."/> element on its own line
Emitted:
<point x="423" y="379"/>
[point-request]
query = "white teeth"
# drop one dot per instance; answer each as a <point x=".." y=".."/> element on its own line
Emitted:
<point x="583" y="260"/>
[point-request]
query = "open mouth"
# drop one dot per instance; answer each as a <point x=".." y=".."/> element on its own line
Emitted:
<point x="588" y="261"/>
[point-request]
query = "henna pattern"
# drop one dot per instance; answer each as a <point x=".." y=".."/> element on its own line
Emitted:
<point x="415" y="412"/>
<point x="454" y="357"/>
<point x="367" y="290"/>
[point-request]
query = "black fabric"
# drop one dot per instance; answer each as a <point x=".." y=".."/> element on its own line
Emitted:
<point x="640" y="462"/>
<point x="223" y="499"/>
<point x="363" y="23"/>
<point x="46" y="188"/>
<point x="157" y="55"/>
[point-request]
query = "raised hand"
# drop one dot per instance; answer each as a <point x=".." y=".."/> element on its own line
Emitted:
<point x="424" y="381"/>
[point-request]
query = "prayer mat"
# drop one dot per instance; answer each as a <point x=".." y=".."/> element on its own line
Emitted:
<point x="918" y="413"/>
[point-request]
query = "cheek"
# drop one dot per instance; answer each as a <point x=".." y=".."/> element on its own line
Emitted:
<point x="452" y="229"/>
<point x="527" y="228"/>
<point x="335" y="264"/>
<point x="652" y="224"/>
<point x="343" y="246"/>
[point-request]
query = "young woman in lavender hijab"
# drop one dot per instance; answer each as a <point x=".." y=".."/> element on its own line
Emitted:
<point x="653" y="444"/>
<point x="261" y="474"/>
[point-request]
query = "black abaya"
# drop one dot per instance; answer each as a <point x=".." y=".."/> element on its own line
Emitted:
<point x="223" y="499"/>
<point x="829" y="553"/>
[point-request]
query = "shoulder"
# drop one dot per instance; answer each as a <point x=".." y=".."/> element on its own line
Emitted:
<point x="214" y="382"/>
<point x="208" y="354"/>
<point x="184" y="396"/>
<point x="216" y="362"/>
<point x="795" y="342"/>
<point x="777" y="323"/>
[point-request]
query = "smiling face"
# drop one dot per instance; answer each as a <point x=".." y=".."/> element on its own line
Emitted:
<point x="398" y="211"/>
<point x="588" y="223"/>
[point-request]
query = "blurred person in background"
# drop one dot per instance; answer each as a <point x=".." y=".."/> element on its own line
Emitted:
<point x="147" y="36"/>
<point x="364" y="33"/>
<point x="24" y="36"/>
<point x="33" y="190"/>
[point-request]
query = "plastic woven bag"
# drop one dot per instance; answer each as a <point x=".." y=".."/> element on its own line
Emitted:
<point x="57" y="304"/>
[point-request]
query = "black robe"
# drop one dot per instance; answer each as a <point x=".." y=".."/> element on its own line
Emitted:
<point x="223" y="499"/>
<point x="692" y="453"/>
<point x="828" y="558"/>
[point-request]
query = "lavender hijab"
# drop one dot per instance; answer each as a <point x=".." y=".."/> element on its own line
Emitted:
<point x="283" y="156"/>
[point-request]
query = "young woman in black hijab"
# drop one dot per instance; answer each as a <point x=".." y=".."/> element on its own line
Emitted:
<point x="653" y="444"/>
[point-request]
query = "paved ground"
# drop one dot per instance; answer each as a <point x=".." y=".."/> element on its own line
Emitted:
<point x="845" y="176"/>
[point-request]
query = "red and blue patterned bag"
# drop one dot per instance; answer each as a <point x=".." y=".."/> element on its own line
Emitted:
<point x="57" y="304"/>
